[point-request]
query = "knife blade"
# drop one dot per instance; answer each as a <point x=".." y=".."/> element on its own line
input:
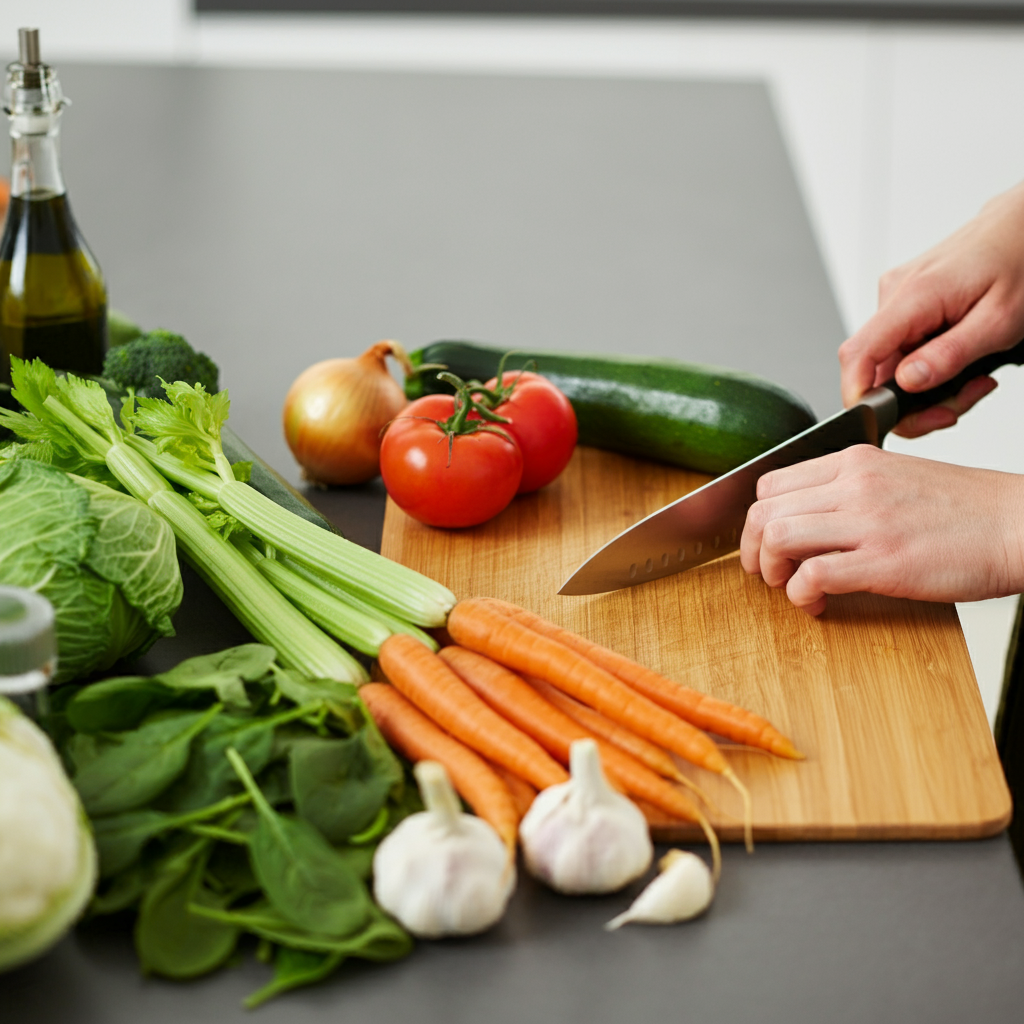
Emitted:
<point x="707" y="523"/>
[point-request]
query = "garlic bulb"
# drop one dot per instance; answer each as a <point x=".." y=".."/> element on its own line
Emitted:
<point x="683" y="889"/>
<point x="442" y="872"/>
<point x="583" y="837"/>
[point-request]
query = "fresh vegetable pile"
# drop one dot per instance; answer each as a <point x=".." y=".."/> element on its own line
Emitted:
<point x="448" y="461"/>
<point x="516" y="700"/>
<point x="228" y="797"/>
<point x="286" y="580"/>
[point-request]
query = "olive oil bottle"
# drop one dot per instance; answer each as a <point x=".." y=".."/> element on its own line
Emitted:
<point x="53" y="302"/>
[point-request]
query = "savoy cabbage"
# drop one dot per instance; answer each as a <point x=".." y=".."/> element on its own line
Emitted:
<point x="103" y="559"/>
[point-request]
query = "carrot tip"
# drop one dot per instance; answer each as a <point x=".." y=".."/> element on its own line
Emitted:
<point x="748" y="810"/>
<point x="784" y="748"/>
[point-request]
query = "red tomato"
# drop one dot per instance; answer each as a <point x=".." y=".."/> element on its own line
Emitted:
<point x="473" y="485"/>
<point x="543" y="422"/>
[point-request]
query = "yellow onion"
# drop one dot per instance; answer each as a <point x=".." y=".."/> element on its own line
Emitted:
<point x="335" y="411"/>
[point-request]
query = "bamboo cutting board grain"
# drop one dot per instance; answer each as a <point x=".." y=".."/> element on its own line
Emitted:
<point x="878" y="693"/>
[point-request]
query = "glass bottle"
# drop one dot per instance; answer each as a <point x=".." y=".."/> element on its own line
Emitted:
<point x="53" y="302"/>
<point x="28" y="649"/>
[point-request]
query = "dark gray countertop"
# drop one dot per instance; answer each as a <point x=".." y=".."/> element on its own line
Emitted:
<point x="277" y="218"/>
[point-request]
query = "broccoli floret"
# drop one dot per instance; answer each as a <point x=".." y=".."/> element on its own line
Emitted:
<point x="157" y="354"/>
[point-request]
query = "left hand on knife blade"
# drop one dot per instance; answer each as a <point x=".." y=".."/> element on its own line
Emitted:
<point x="869" y="520"/>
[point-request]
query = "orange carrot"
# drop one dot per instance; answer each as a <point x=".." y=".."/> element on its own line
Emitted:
<point x="644" y="751"/>
<point x="701" y="709"/>
<point x="523" y="793"/>
<point x="437" y="691"/>
<point x="478" y="625"/>
<point x="417" y="738"/>
<point x="482" y="626"/>
<point x="655" y="757"/>
<point x="510" y="695"/>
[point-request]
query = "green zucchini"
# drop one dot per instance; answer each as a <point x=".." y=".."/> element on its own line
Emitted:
<point x="699" y="417"/>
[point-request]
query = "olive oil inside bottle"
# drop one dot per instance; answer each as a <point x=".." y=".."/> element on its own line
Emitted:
<point x="52" y="297"/>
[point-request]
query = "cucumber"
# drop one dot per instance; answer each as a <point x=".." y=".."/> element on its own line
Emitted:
<point x="699" y="417"/>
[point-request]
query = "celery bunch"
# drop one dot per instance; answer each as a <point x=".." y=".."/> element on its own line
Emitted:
<point x="274" y="570"/>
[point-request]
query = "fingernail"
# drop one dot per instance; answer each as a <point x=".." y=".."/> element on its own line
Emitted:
<point x="915" y="374"/>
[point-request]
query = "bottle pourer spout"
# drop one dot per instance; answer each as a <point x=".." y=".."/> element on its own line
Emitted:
<point x="28" y="47"/>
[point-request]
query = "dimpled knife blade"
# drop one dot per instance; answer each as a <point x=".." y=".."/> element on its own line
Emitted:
<point x="707" y="523"/>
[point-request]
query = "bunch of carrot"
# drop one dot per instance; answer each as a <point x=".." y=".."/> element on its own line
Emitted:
<point x="501" y="709"/>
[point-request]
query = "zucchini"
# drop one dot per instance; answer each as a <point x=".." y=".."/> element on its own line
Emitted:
<point x="699" y="417"/>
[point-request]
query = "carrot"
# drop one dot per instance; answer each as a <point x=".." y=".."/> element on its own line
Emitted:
<point x="523" y="793"/>
<point x="437" y="691"/>
<point x="417" y="738"/>
<point x="643" y="750"/>
<point x="701" y="709"/>
<point x="482" y="626"/>
<point x="553" y="729"/>
<point x="655" y="757"/>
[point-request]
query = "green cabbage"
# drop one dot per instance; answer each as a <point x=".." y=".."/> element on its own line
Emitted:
<point x="105" y="561"/>
<point x="47" y="855"/>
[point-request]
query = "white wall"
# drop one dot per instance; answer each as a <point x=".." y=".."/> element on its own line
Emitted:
<point x="898" y="132"/>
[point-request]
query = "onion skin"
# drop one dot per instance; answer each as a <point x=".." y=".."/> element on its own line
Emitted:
<point x="335" y="411"/>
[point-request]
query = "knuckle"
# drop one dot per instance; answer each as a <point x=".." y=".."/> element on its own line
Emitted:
<point x="776" y="534"/>
<point x="757" y="516"/>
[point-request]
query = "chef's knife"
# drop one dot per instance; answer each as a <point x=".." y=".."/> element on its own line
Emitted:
<point x="706" y="523"/>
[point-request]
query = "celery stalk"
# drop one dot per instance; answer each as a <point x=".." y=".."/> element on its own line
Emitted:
<point x="356" y="628"/>
<point x="395" y="589"/>
<point x="267" y="614"/>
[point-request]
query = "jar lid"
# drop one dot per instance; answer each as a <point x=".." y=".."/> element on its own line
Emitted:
<point x="28" y="641"/>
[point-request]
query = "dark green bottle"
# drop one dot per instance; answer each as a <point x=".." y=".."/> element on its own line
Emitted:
<point x="53" y="302"/>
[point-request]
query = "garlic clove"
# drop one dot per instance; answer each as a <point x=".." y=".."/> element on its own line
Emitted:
<point x="582" y="837"/>
<point x="442" y="872"/>
<point x="683" y="889"/>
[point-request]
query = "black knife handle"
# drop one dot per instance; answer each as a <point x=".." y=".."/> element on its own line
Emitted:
<point x="908" y="402"/>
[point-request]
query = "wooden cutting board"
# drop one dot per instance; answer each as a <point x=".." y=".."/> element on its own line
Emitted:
<point x="879" y="693"/>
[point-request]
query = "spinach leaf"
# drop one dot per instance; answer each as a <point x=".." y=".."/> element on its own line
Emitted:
<point x="115" y="705"/>
<point x="124" y="892"/>
<point x="292" y="969"/>
<point x="121" y="837"/>
<point x="226" y="672"/>
<point x="305" y="878"/>
<point x="209" y="776"/>
<point x="381" y="938"/>
<point x="340" y="785"/>
<point x="122" y="771"/>
<point x="169" y="939"/>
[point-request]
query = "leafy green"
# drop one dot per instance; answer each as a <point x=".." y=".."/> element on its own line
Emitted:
<point x="105" y="562"/>
<point x="169" y="939"/>
<point x="294" y="968"/>
<point x="341" y="785"/>
<point x="225" y="672"/>
<point x="215" y="817"/>
<point x="121" y="771"/>
<point x="307" y="881"/>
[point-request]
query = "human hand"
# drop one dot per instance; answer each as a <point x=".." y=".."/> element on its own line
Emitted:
<point x="936" y="314"/>
<point x="868" y="520"/>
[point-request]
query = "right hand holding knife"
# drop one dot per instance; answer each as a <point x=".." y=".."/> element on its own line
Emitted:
<point x="868" y="520"/>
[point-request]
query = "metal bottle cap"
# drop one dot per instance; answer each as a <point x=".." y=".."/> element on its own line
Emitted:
<point x="32" y="94"/>
<point x="28" y="643"/>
